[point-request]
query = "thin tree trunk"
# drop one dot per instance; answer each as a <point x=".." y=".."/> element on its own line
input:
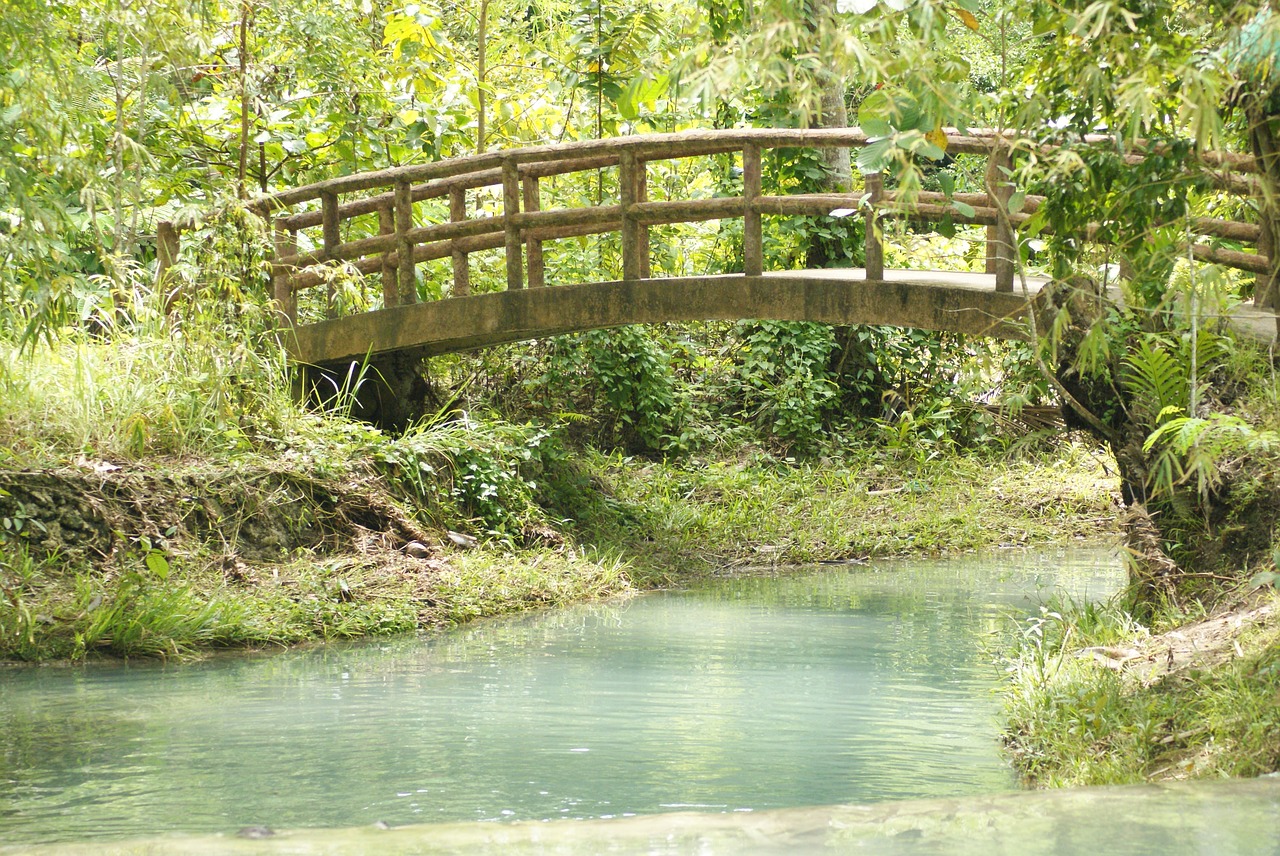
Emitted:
<point x="481" y="71"/>
<point x="832" y="110"/>
<point x="117" y="155"/>
<point x="246" y="9"/>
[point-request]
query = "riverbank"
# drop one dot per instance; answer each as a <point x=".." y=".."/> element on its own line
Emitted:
<point x="345" y="532"/>
<point x="1096" y="698"/>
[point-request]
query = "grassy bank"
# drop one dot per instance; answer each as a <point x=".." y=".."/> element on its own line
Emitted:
<point x="700" y="516"/>
<point x="162" y="494"/>
<point x="168" y="557"/>
<point x="1097" y="698"/>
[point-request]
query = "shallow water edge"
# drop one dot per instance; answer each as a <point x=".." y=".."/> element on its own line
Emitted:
<point x="1219" y="818"/>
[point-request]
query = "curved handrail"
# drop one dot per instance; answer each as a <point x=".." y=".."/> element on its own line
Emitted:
<point x="522" y="227"/>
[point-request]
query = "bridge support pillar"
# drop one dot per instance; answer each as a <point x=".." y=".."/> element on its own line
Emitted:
<point x="510" y="208"/>
<point x="407" y="278"/>
<point x="286" y="244"/>
<point x="461" y="267"/>
<point x="533" y="246"/>
<point x="387" y="226"/>
<point x="634" y="242"/>
<point x="1266" y="288"/>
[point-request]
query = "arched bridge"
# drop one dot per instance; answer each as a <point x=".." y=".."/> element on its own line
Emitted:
<point x="380" y="222"/>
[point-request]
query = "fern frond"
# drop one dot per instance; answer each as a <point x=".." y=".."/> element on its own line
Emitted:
<point x="1155" y="379"/>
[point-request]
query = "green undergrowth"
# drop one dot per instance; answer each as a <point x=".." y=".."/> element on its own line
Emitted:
<point x="699" y="516"/>
<point x="1096" y="698"/>
<point x="162" y="494"/>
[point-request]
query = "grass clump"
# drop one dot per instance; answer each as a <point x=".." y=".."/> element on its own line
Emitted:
<point x="1096" y="698"/>
<point x="56" y="610"/>
<point x="142" y="396"/>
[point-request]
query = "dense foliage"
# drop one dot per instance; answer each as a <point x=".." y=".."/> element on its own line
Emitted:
<point x="115" y="115"/>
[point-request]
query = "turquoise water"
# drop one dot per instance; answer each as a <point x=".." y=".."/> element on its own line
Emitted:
<point x="842" y="685"/>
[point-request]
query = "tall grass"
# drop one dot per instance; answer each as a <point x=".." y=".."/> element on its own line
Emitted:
<point x="147" y="393"/>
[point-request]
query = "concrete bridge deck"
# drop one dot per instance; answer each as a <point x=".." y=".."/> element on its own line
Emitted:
<point x="930" y="300"/>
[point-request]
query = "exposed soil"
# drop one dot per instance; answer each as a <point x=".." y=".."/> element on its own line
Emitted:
<point x="96" y="509"/>
<point x="1229" y="634"/>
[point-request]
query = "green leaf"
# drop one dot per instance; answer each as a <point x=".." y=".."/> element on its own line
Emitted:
<point x="963" y="208"/>
<point x="1265" y="578"/>
<point x="1017" y="200"/>
<point x="873" y="114"/>
<point x="874" y="156"/>
<point x="158" y="564"/>
<point x="1046" y="24"/>
<point x="929" y="150"/>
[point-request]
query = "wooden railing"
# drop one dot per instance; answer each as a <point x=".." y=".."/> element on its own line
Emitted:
<point x="401" y="243"/>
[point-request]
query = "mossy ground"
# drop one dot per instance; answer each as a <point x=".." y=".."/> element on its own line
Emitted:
<point x="694" y="516"/>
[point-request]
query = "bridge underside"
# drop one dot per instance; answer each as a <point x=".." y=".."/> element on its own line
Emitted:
<point x="952" y="302"/>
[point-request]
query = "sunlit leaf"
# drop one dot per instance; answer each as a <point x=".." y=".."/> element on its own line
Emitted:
<point x="158" y="564"/>
<point x="874" y="156"/>
<point x="873" y="114"/>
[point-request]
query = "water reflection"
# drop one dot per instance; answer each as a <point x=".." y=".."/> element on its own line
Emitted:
<point x="849" y="685"/>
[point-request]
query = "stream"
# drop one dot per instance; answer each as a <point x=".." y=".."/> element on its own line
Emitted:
<point x="752" y="700"/>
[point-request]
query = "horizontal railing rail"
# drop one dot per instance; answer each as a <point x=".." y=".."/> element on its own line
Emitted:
<point x="401" y="242"/>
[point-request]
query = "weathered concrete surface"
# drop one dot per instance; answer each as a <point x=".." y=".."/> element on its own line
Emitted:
<point x="928" y="300"/>
<point x="954" y="302"/>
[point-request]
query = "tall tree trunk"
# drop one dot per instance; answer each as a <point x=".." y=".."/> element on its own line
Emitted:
<point x="832" y="110"/>
<point x="835" y="161"/>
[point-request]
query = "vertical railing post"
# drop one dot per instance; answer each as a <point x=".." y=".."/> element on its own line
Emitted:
<point x="874" y="183"/>
<point x="627" y="166"/>
<point x="1000" y="241"/>
<point x="752" y="232"/>
<point x="510" y="208"/>
<point x="332" y="238"/>
<point x="642" y="229"/>
<point x="1265" y="284"/>
<point x="407" y="280"/>
<point x="533" y="246"/>
<point x="168" y="245"/>
<point x="286" y="244"/>
<point x="387" y="226"/>
<point x="461" y="267"/>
